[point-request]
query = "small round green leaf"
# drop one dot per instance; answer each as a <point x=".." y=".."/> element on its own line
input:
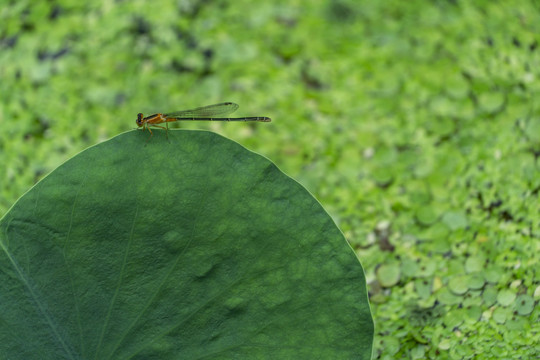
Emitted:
<point x="426" y="215"/>
<point x="455" y="220"/>
<point x="388" y="274"/>
<point x="446" y="297"/>
<point x="391" y="345"/>
<point x="445" y="344"/>
<point x="418" y="352"/>
<point x="458" y="285"/>
<point x="474" y="264"/>
<point x="533" y="129"/>
<point x="473" y="314"/>
<point x="506" y="297"/>
<point x="423" y="287"/>
<point x="493" y="274"/>
<point x="453" y="318"/>
<point x="516" y="324"/>
<point x="524" y="304"/>
<point x="382" y="176"/>
<point x="475" y="281"/>
<point x="427" y="267"/>
<point x="500" y="315"/>
<point x="490" y="296"/>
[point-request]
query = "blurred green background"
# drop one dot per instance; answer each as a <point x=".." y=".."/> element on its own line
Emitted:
<point x="415" y="123"/>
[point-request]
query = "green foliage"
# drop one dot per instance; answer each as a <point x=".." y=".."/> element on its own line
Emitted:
<point x="422" y="116"/>
<point x="187" y="248"/>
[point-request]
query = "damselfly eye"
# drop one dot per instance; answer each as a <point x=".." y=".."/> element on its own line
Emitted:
<point x="139" y="119"/>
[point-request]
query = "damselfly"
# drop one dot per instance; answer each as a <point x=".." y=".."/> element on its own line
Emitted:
<point x="205" y="113"/>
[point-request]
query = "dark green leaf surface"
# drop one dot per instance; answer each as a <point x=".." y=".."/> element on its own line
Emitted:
<point x="189" y="248"/>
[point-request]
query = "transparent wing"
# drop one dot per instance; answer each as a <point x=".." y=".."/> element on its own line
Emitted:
<point x="205" y="111"/>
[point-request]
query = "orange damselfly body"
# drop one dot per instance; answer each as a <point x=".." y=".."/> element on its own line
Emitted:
<point x="204" y="113"/>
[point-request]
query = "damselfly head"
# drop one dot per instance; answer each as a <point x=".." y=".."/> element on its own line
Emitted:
<point x="139" y="120"/>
